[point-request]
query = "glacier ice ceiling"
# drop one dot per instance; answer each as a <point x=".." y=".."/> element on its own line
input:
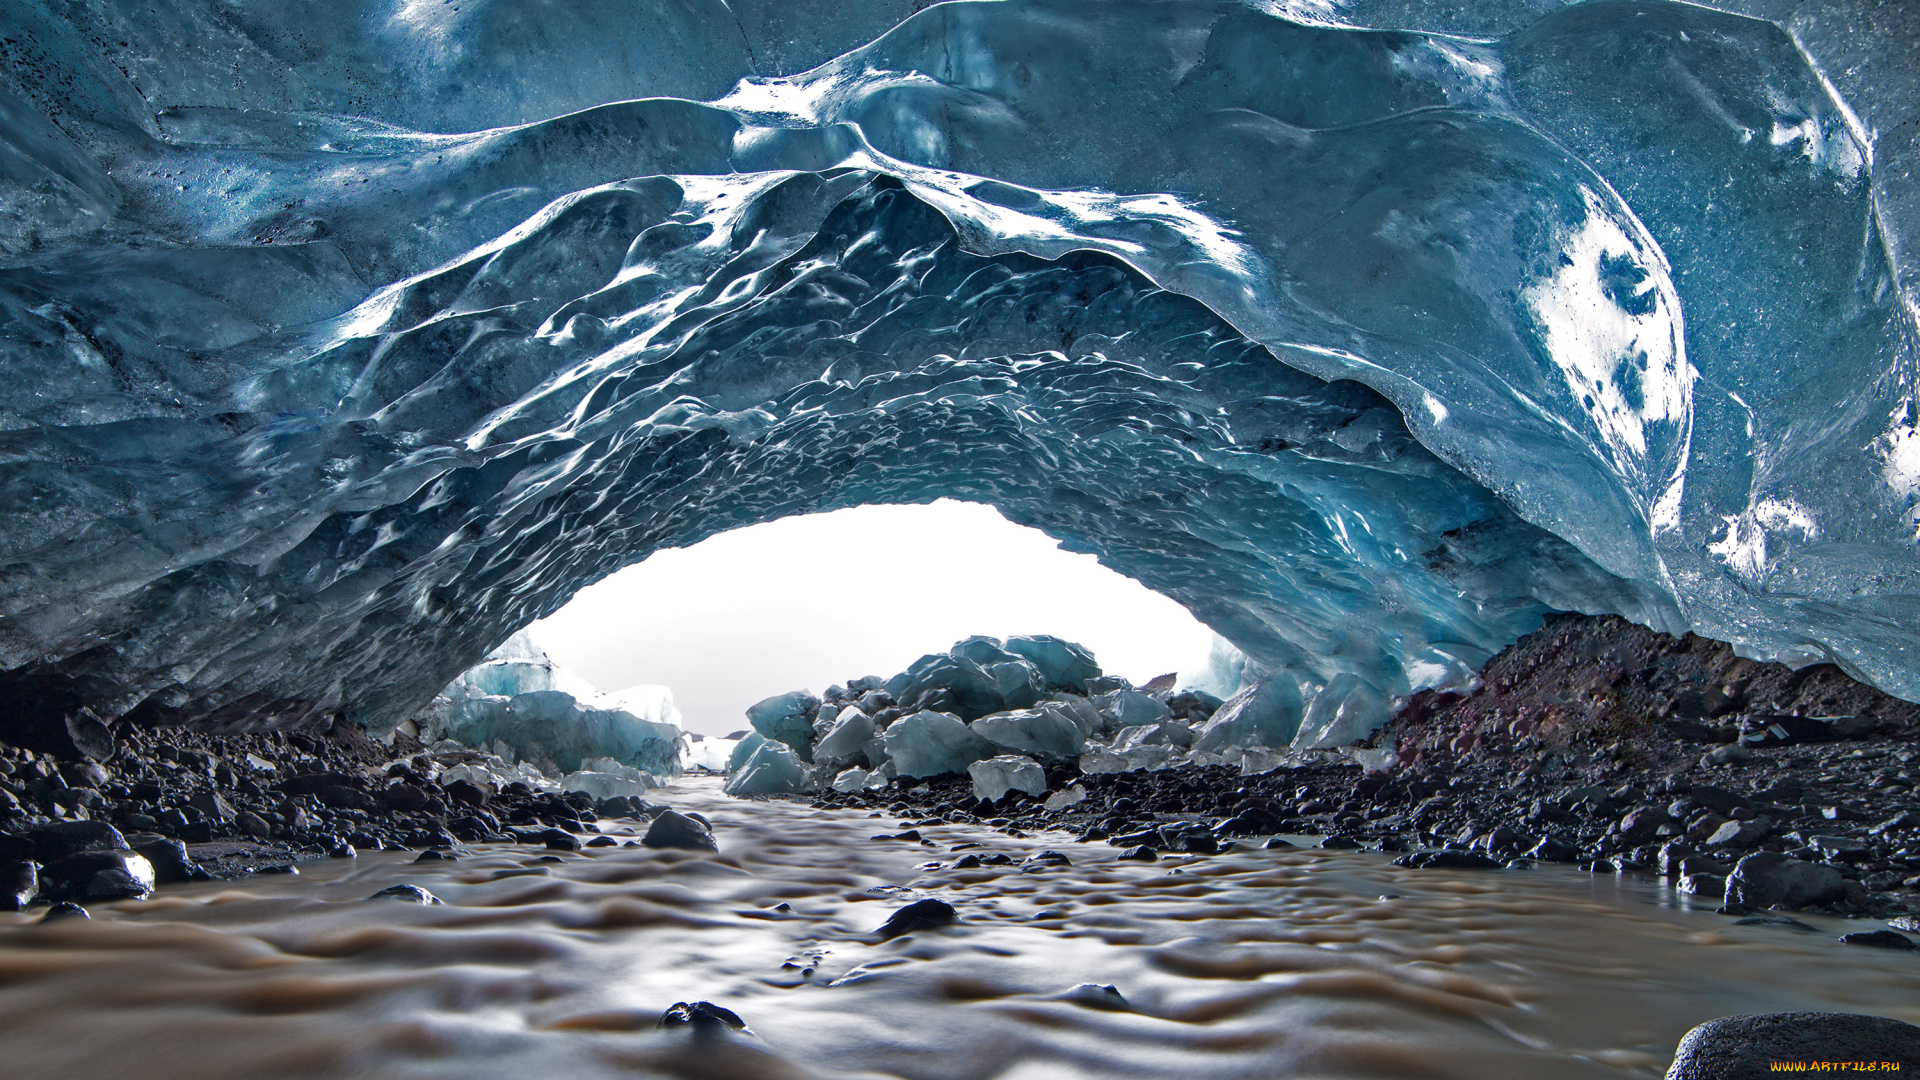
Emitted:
<point x="338" y="343"/>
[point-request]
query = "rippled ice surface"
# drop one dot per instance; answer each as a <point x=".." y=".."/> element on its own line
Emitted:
<point x="1258" y="964"/>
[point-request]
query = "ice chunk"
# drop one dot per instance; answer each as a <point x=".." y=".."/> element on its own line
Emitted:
<point x="1126" y="708"/>
<point x="554" y="728"/>
<point x="1099" y="759"/>
<point x="933" y="744"/>
<point x="1042" y="732"/>
<point x="1065" y="797"/>
<point x="1060" y="663"/>
<point x="854" y="779"/>
<point x="743" y="749"/>
<point x="1161" y="734"/>
<point x="851" y="738"/>
<point x="995" y="776"/>
<point x="605" y="778"/>
<point x="1078" y="710"/>
<point x="1348" y="709"/>
<point x="771" y="769"/>
<point x="1016" y="682"/>
<point x="787" y="718"/>
<point x="1223" y="675"/>
<point x="1265" y="714"/>
<point x="710" y="754"/>
<point x="985" y="651"/>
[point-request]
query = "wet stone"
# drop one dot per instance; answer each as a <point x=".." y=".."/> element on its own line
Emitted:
<point x="676" y="830"/>
<point x="1774" y="920"/>
<point x="1878" y="939"/>
<point x="412" y="894"/>
<point x="1141" y="853"/>
<point x="920" y="915"/>
<point x="702" y="1017"/>
<point x="1742" y="1046"/>
<point x="65" y="910"/>
<point x="19" y="885"/>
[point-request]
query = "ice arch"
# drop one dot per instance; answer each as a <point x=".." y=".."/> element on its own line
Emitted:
<point x="1368" y="346"/>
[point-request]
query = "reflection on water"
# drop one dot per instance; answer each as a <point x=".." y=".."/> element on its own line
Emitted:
<point x="1257" y="964"/>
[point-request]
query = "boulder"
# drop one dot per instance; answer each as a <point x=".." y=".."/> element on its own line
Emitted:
<point x="676" y="830"/>
<point x="62" y="838"/>
<point x="1768" y="879"/>
<point x="1738" y="1047"/>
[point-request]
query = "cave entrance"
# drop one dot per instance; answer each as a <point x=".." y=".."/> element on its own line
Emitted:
<point x="810" y="600"/>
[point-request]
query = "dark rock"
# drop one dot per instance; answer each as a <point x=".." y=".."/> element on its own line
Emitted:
<point x="704" y="1017"/>
<point x="404" y="797"/>
<point x="995" y="859"/>
<point x="1553" y="849"/>
<point x="340" y="849"/>
<point x="468" y="793"/>
<point x="1448" y="860"/>
<point x="676" y="830"/>
<point x="1774" y="920"/>
<point x="412" y="894"/>
<point x="919" y="915"/>
<point x="1879" y="939"/>
<point x="100" y="875"/>
<point x="1278" y="844"/>
<point x="1768" y="879"/>
<point x="314" y="783"/>
<point x="1737" y="1047"/>
<point x="1141" y="853"/>
<point x="1737" y="835"/>
<point x="171" y="863"/>
<point x="65" y="910"/>
<point x="212" y="807"/>
<point x="15" y="848"/>
<point x="1048" y="858"/>
<point x="431" y="855"/>
<point x="603" y="841"/>
<point x="965" y="862"/>
<point x="910" y="835"/>
<point x="344" y="797"/>
<point x="1339" y="843"/>
<point x="1714" y="885"/>
<point x="1717" y="799"/>
<point x="19" y="885"/>
<point x="62" y="838"/>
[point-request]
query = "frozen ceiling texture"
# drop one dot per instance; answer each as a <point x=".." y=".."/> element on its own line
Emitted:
<point x="338" y="342"/>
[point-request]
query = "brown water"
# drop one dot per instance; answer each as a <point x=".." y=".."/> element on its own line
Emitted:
<point x="1257" y="965"/>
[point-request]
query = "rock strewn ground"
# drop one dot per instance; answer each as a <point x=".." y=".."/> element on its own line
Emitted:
<point x="1591" y="741"/>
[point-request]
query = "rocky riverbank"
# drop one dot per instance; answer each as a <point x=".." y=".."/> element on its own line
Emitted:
<point x="171" y="805"/>
<point x="1593" y="742"/>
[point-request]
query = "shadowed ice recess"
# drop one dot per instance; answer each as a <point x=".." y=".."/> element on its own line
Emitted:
<point x="336" y="346"/>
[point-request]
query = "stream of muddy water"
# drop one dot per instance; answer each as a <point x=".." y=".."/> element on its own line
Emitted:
<point x="1256" y="964"/>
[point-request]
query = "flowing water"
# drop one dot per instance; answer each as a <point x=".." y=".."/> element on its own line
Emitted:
<point x="1256" y="964"/>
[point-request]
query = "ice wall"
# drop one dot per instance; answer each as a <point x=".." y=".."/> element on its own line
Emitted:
<point x="335" y="347"/>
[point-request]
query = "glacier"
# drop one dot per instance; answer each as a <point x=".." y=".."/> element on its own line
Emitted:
<point x="336" y="347"/>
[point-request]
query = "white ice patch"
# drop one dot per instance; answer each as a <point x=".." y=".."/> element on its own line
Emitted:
<point x="1612" y="323"/>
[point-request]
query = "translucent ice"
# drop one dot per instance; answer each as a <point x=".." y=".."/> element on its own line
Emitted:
<point x="1125" y="708"/>
<point x="850" y="739"/>
<point x="1264" y="714"/>
<point x="771" y="768"/>
<point x="605" y="778"/>
<point x="1061" y="663"/>
<point x="787" y="718"/>
<point x="1041" y="732"/>
<point x="324" y="369"/>
<point x="1346" y="710"/>
<point x="933" y="743"/>
<point x="995" y="776"/>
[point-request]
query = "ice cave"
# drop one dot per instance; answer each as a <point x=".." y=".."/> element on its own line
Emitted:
<point x="1518" y="374"/>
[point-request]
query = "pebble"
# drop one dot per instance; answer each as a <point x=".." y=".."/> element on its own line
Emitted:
<point x="1142" y="853"/>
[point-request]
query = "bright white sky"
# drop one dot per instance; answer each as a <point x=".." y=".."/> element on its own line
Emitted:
<point x="806" y="602"/>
